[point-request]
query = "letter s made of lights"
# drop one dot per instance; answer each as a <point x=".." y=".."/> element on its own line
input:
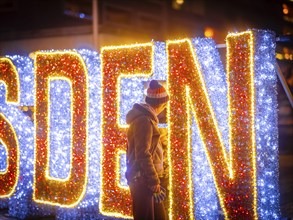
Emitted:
<point x="63" y="129"/>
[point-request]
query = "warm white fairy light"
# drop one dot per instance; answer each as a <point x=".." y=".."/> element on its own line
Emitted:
<point x="88" y="206"/>
<point x="205" y="197"/>
<point x="205" y="200"/>
<point x="59" y="66"/>
<point x="20" y="203"/>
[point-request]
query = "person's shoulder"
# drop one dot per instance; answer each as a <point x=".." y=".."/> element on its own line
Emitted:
<point x="143" y="119"/>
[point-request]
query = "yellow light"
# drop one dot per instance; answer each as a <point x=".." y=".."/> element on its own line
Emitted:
<point x="9" y="178"/>
<point x="243" y="69"/>
<point x="286" y="50"/>
<point x="32" y="55"/>
<point x="186" y="85"/>
<point x="209" y="32"/>
<point x="118" y="177"/>
<point x="8" y="138"/>
<point x="286" y="11"/>
<point x="179" y="2"/>
<point x="279" y="56"/>
<point x="118" y="62"/>
<point x="180" y="180"/>
<point x="67" y="66"/>
<point x="9" y="76"/>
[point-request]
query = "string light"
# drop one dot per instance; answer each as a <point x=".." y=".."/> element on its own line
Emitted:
<point x="240" y="71"/>
<point x="88" y="206"/>
<point x="9" y="76"/>
<point x="122" y="75"/>
<point x="179" y="67"/>
<point x="120" y="164"/>
<point x="127" y="60"/>
<point x="266" y="125"/>
<point x="10" y="176"/>
<point x="49" y="190"/>
<point x="20" y="203"/>
<point x="205" y="193"/>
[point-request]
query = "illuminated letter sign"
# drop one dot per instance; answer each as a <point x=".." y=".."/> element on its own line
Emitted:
<point x="9" y="76"/>
<point x="9" y="177"/>
<point x="235" y="178"/>
<point x="117" y="62"/>
<point x="60" y="66"/>
<point x="222" y="128"/>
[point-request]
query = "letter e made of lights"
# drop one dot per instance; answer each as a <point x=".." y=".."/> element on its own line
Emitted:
<point x="63" y="129"/>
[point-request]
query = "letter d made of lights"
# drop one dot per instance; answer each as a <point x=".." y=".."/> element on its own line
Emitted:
<point x="68" y="157"/>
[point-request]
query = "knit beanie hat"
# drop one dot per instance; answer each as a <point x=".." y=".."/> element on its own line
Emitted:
<point x="156" y="93"/>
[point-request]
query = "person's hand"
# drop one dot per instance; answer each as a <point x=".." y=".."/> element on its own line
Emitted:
<point x="159" y="197"/>
<point x="156" y="188"/>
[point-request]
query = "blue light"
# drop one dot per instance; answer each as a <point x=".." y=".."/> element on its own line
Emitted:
<point x="82" y="15"/>
<point x="205" y="195"/>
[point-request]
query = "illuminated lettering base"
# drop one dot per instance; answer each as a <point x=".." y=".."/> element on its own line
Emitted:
<point x="220" y="143"/>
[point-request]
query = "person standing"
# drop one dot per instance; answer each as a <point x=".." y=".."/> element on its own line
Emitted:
<point x="145" y="155"/>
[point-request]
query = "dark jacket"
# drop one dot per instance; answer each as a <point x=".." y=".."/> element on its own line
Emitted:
<point x="144" y="150"/>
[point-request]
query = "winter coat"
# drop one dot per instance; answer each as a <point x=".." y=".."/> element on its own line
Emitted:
<point x="144" y="150"/>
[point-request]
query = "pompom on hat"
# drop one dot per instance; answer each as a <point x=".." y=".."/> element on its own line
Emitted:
<point x="156" y="93"/>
